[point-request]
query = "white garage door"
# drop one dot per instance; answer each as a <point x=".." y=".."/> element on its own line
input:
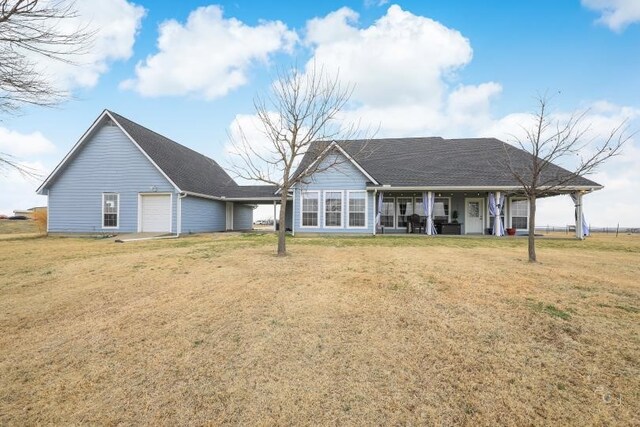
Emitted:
<point x="155" y="213"/>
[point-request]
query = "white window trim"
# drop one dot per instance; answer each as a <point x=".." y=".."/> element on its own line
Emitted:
<point x="117" y="213"/>
<point x="302" y="193"/>
<point x="517" y="199"/>
<point x="324" y="209"/>
<point x="164" y="193"/>
<point x="366" y="209"/>
<point x="394" y="212"/>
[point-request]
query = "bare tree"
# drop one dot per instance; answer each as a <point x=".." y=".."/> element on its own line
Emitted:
<point x="552" y="142"/>
<point x="31" y="30"/>
<point x="8" y="162"/>
<point x="302" y="108"/>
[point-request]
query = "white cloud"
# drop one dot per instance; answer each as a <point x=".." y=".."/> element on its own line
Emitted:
<point x="249" y="127"/>
<point x="615" y="14"/>
<point x="115" y="23"/>
<point x="209" y="55"/>
<point x="401" y="58"/>
<point x="403" y="68"/>
<point x="22" y="145"/>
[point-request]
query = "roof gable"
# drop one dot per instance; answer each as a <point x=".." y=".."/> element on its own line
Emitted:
<point x="186" y="169"/>
<point x="319" y="152"/>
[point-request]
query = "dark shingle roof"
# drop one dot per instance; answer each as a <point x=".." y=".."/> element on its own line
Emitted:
<point x="251" y="192"/>
<point x="436" y="161"/>
<point x="188" y="169"/>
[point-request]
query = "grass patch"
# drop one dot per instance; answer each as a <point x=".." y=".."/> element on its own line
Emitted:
<point x="628" y="308"/>
<point x="550" y="309"/>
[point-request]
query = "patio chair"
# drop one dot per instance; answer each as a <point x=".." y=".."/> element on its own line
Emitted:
<point x="416" y="223"/>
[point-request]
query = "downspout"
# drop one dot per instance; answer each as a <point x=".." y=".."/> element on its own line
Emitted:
<point x="179" y="209"/>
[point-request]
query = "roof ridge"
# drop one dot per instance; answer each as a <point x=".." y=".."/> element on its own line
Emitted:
<point x="381" y="139"/>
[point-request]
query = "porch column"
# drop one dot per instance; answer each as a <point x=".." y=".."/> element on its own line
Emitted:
<point x="429" y="212"/>
<point x="275" y="220"/>
<point x="578" y="202"/>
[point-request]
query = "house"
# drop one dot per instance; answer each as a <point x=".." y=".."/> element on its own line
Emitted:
<point x="375" y="186"/>
<point x="121" y="177"/>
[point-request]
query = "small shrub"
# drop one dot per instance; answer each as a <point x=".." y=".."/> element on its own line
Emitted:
<point x="40" y="219"/>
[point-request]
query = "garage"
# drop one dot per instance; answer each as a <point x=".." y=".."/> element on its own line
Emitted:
<point x="155" y="213"/>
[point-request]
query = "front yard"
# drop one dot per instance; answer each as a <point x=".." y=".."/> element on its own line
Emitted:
<point x="386" y="330"/>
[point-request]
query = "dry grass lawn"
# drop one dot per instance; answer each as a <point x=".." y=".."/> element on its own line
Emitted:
<point x="11" y="229"/>
<point x="214" y="329"/>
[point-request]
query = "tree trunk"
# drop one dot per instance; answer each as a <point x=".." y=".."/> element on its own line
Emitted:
<point x="532" y="229"/>
<point x="282" y="223"/>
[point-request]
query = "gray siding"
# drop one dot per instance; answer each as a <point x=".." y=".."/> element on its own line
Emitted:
<point x="343" y="176"/>
<point x="107" y="162"/>
<point x="202" y="215"/>
<point x="242" y="216"/>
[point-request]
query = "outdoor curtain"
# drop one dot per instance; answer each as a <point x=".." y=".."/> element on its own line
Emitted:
<point x="379" y="216"/>
<point x="495" y="210"/>
<point x="585" y="226"/>
<point x="428" y="203"/>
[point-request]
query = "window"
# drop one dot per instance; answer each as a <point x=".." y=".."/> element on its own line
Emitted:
<point x="419" y="206"/>
<point x="333" y="209"/>
<point x="520" y="214"/>
<point x="405" y="209"/>
<point x="387" y="217"/>
<point x="441" y="209"/>
<point x="110" y="210"/>
<point x="357" y="208"/>
<point x="310" y="208"/>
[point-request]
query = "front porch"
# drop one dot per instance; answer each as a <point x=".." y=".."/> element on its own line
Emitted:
<point x="457" y="212"/>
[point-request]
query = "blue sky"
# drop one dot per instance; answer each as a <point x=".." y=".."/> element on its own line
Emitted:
<point x="190" y="70"/>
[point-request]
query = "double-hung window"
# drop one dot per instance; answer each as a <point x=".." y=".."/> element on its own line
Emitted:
<point x="357" y="209"/>
<point x="520" y="214"/>
<point x="333" y="209"/>
<point x="110" y="210"/>
<point x="441" y="209"/>
<point x="310" y="205"/>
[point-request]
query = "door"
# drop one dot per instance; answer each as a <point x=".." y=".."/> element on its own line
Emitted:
<point x="473" y="223"/>
<point x="155" y="213"/>
<point x="229" y="216"/>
